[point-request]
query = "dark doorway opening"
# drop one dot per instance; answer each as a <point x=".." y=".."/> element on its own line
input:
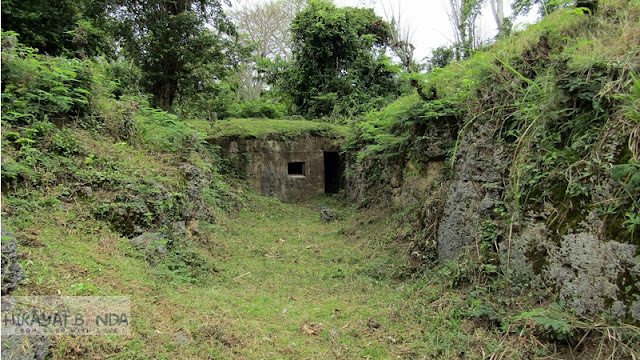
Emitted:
<point x="332" y="172"/>
<point x="296" y="168"/>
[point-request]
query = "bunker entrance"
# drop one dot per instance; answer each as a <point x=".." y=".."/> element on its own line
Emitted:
<point x="332" y="172"/>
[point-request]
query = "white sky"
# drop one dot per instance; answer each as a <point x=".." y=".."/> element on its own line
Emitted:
<point x="428" y="19"/>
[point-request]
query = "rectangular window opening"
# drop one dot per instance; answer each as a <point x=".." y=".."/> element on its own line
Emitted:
<point x="297" y="168"/>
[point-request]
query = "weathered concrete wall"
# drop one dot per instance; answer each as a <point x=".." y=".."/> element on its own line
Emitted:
<point x="595" y="269"/>
<point x="265" y="164"/>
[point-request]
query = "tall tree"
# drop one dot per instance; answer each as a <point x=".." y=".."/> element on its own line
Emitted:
<point x="59" y="27"/>
<point x="523" y="7"/>
<point x="464" y="19"/>
<point x="339" y="62"/>
<point x="42" y="24"/>
<point x="170" y="39"/>
<point x="497" y="8"/>
<point x="401" y="35"/>
<point x="440" y="57"/>
<point x="402" y="45"/>
<point x="265" y="27"/>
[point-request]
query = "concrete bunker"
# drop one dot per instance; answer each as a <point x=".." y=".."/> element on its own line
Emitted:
<point x="291" y="169"/>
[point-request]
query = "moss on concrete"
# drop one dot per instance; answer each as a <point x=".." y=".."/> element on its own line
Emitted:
<point x="269" y="129"/>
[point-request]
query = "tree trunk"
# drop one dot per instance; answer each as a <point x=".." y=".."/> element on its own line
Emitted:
<point x="497" y="7"/>
<point x="165" y="94"/>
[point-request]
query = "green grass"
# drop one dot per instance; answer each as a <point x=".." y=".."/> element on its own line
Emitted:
<point x="280" y="267"/>
<point x="269" y="129"/>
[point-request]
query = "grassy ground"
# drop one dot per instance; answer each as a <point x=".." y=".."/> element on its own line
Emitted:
<point x="294" y="286"/>
<point x="289" y="285"/>
<point x="269" y="128"/>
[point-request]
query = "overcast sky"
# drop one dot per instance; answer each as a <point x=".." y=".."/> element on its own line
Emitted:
<point x="427" y="18"/>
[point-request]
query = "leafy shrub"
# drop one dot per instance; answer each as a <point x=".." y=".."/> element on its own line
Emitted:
<point x="552" y="323"/>
<point x="441" y="57"/>
<point x="256" y="109"/>
<point x="183" y="266"/>
<point x="162" y="131"/>
<point x="385" y="132"/>
<point x="123" y="77"/>
<point x="14" y="172"/>
<point x="63" y="143"/>
<point x="38" y="87"/>
<point x="210" y="104"/>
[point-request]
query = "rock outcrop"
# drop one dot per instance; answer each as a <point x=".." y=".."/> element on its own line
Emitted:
<point x="12" y="273"/>
<point x="591" y="268"/>
<point x="18" y="347"/>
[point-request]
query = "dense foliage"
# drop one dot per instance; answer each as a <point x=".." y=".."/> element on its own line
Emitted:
<point x="37" y="88"/>
<point x="339" y="64"/>
<point x="173" y="46"/>
<point x="329" y="61"/>
<point x="59" y="27"/>
<point x="65" y="137"/>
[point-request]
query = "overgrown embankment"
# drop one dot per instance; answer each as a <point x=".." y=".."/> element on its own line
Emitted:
<point x="73" y="144"/>
<point x="526" y="157"/>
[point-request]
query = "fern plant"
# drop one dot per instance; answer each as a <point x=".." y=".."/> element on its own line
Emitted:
<point x="39" y="87"/>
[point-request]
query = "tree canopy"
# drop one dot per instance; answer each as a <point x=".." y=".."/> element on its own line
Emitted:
<point x="264" y="27"/>
<point x="59" y="27"/>
<point x="171" y="40"/>
<point x="339" y="62"/>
